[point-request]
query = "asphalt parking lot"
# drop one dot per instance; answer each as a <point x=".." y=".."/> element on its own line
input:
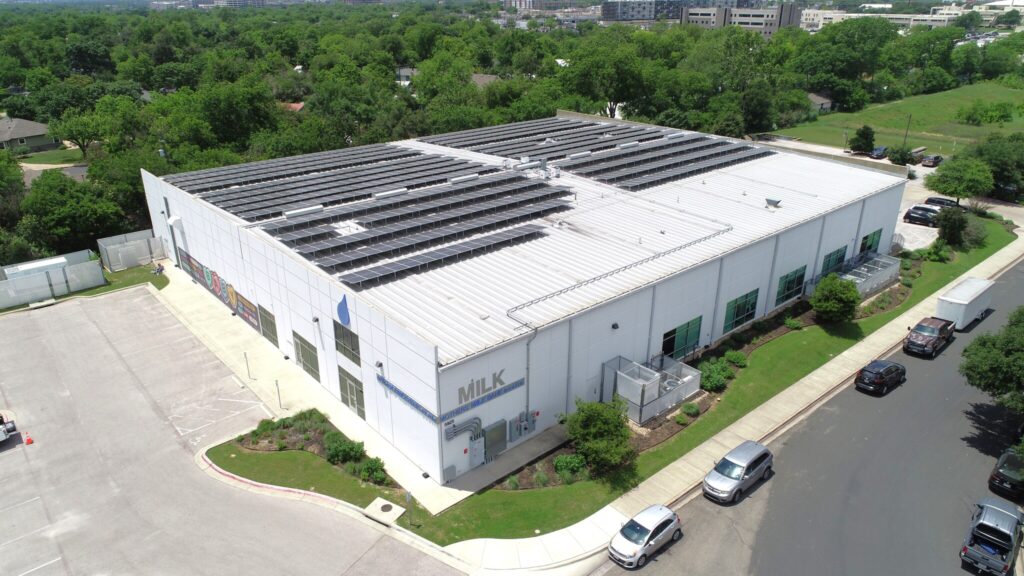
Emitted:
<point x="118" y="397"/>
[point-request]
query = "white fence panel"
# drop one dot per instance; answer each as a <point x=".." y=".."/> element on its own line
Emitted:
<point x="46" y="285"/>
<point x="85" y="275"/>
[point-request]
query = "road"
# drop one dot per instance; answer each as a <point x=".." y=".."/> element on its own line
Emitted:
<point x="865" y="485"/>
<point x="118" y="397"/>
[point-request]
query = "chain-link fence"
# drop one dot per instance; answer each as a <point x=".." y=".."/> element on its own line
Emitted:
<point x="49" y="278"/>
<point x="129" y="250"/>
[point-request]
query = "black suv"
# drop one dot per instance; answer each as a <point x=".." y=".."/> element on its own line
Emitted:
<point x="940" y="203"/>
<point x="880" y="376"/>
<point x="1008" y="475"/>
<point x="918" y="215"/>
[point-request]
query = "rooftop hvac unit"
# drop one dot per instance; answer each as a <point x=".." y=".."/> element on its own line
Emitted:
<point x="304" y="211"/>
<point x="465" y="178"/>
<point x="390" y="193"/>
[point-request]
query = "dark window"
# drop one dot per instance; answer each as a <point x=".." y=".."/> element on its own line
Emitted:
<point x="351" y="392"/>
<point x="305" y="353"/>
<point x="268" y="326"/>
<point x="740" y="311"/>
<point x="680" y="341"/>
<point x="833" y="261"/>
<point x="870" y="242"/>
<point x="791" y="285"/>
<point x="346" y="342"/>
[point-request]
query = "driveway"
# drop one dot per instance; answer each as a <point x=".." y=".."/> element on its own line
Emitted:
<point x="118" y="397"/>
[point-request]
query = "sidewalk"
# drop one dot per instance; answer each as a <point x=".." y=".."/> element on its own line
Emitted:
<point x="261" y="367"/>
<point x="580" y="548"/>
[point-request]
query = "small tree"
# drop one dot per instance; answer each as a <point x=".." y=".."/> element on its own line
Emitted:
<point x="835" y="299"/>
<point x="1009" y="18"/>
<point x="994" y="363"/>
<point x="79" y="129"/>
<point x="900" y="155"/>
<point x="952" y="224"/>
<point x="961" y="178"/>
<point x="600" y="433"/>
<point x="863" y="140"/>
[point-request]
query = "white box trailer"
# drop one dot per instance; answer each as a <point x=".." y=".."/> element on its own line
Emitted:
<point x="965" y="302"/>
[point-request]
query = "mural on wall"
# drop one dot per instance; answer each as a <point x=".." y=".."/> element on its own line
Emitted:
<point x="343" y="316"/>
<point x="220" y="288"/>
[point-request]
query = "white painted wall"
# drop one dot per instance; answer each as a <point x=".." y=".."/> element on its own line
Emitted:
<point x="882" y="211"/>
<point x="742" y="271"/>
<point x="797" y="247"/>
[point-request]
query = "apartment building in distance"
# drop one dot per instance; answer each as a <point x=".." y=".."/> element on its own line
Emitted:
<point x="765" y="21"/>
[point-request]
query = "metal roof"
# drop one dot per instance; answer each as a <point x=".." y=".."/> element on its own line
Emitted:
<point x="461" y="241"/>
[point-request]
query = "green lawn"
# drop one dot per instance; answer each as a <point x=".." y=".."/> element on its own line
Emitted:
<point x="933" y="122"/>
<point x="517" y="514"/>
<point x="69" y="156"/>
<point x="116" y="281"/>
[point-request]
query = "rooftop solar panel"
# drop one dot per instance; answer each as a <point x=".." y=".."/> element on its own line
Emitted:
<point x="433" y="258"/>
<point x="494" y="133"/>
<point x="686" y="171"/>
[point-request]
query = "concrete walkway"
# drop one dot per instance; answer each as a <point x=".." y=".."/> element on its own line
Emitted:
<point x="580" y="548"/>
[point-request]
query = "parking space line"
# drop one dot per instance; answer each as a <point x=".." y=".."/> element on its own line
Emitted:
<point x="12" y="506"/>
<point x="41" y="566"/>
<point x="232" y="414"/>
<point x="23" y="536"/>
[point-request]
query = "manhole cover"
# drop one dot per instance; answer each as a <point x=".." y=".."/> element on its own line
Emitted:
<point x="385" y="508"/>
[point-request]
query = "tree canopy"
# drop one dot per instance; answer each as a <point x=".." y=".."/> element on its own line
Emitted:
<point x="994" y="363"/>
<point x="961" y="178"/>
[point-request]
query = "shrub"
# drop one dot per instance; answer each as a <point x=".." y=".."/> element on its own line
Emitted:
<point x="952" y="224"/>
<point x="571" y="463"/>
<point x="566" y="477"/>
<point x="736" y="358"/>
<point x="512" y="482"/>
<point x="911" y="174"/>
<point x="281" y="435"/>
<point x="353" y="468"/>
<point x="835" y="299"/>
<point x="281" y="445"/>
<point x="761" y="326"/>
<point x="938" y="252"/>
<point x="906" y="264"/>
<point x="900" y="155"/>
<point x="792" y="323"/>
<point x="265" y="427"/>
<point x="907" y="282"/>
<point x="540" y="478"/>
<point x="339" y="449"/>
<point x="715" y="375"/>
<point x="863" y="140"/>
<point x="681" y="419"/>
<point x="691" y="409"/>
<point x="305" y="437"/>
<point x="975" y="234"/>
<point x="600" y="433"/>
<point x="240" y="439"/>
<point x="373" y="471"/>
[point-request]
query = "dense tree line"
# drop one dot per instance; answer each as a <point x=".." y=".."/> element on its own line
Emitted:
<point x="184" y="90"/>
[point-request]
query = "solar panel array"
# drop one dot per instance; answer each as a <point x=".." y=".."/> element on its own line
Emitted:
<point x="265" y="200"/>
<point x="549" y="139"/>
<point x="654" y="163"/>
<point x="454" y="252"/>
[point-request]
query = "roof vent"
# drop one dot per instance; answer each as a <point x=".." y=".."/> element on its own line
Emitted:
<point x="580" y="155"/>
<point x="676" y="135"/>
<point x="772" y="203"/>
<point x="465" y="178"/>
<point x="304" y="211"/>
<point x="550" y="141"/>
<point x="633" y="144"/>
<point x="390" y="193"/>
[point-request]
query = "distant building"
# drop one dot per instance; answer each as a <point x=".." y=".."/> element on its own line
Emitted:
<point x="633" y="10"/>
<point x="992" y="10"/>
<point x="813" y="20"/>
<point x="875" y="6"/>
<point x="819" y="104"/>
<point x="765" y="21"/>
<point x="239" y="3"/>
<point x="18" y="133"/>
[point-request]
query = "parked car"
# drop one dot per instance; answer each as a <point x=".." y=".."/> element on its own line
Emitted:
<point x="1008" y="475"/>
<point x="993" y="538"/>
<point x="644" y="535"/>
<point x="738" y="471"/>
<point x="879" y="152"/>
<point x="880" y="376"/>
<point x="939" y="202"/>
<point x="922" y="215"/>
<point x="931" y="161"/>
<point x="928" y="337"/>
<point x="7" y="428"/>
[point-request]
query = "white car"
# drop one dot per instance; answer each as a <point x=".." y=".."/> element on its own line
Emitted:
<point x="644" y="535"/>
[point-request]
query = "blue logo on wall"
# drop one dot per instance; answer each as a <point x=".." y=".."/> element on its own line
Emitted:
<point x="343" y="312"/>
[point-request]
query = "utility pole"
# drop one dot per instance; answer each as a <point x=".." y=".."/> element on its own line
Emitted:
<point x="907" y="131"/>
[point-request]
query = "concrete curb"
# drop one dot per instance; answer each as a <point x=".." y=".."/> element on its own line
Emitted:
<point x="351" y="510"/>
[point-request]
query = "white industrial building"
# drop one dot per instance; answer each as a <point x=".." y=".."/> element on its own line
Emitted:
<point x="459" y="292"/>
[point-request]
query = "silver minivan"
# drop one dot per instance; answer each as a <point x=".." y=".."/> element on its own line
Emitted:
<point x="643" y="535"/>
<point x="741" y="468"/>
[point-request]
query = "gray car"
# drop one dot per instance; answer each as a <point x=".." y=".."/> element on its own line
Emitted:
<point x="644" y="535"/>
<point x="737" y="473"/>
